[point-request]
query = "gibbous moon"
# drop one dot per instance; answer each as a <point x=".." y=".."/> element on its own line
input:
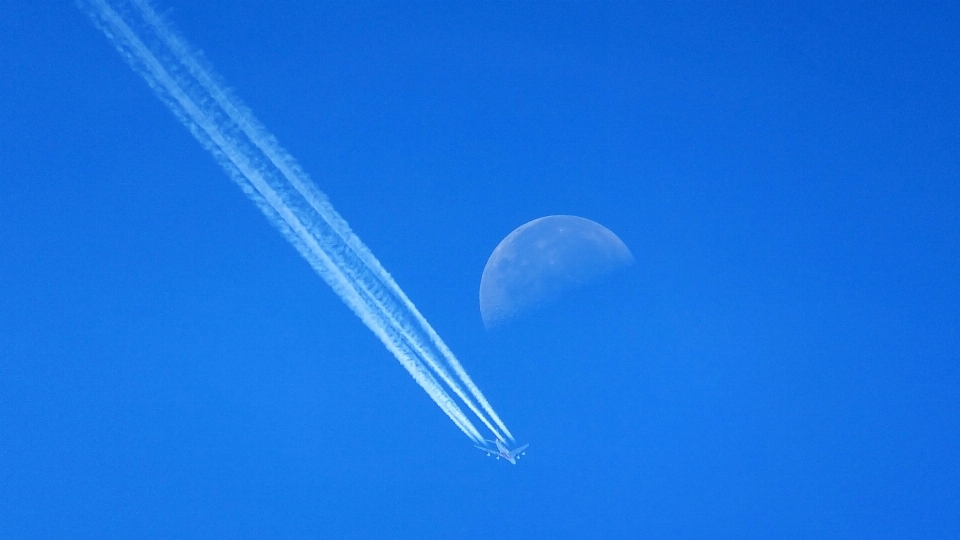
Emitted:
<point x="543" y="258"/>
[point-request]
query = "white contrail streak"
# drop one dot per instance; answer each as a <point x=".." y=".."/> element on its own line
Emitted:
<point x="273" y="179"/>
<point x="372" y="268"/>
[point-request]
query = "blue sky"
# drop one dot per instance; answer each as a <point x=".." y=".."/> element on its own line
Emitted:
<point x="780" y="361"/>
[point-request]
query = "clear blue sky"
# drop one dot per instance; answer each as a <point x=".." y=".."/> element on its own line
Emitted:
<point x="782" y="360"/>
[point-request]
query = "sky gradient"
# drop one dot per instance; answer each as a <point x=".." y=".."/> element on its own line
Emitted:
<point x="781" y="360"/>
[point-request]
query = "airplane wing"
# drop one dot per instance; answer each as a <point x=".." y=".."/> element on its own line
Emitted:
<point x="518" y="451"/>
<point x="487" y="450"/>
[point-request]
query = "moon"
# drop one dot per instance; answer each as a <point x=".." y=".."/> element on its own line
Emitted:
<point x="541" y="259"/>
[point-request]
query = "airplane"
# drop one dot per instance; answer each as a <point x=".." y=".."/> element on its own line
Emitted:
<point x="503" y="452"/>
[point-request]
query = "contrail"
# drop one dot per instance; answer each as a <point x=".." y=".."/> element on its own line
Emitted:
<point x="273" y="179"/>
<point x="267" y="144"/>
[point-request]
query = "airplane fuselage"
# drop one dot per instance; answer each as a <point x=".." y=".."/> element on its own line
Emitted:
<point x="505" y="452"/>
